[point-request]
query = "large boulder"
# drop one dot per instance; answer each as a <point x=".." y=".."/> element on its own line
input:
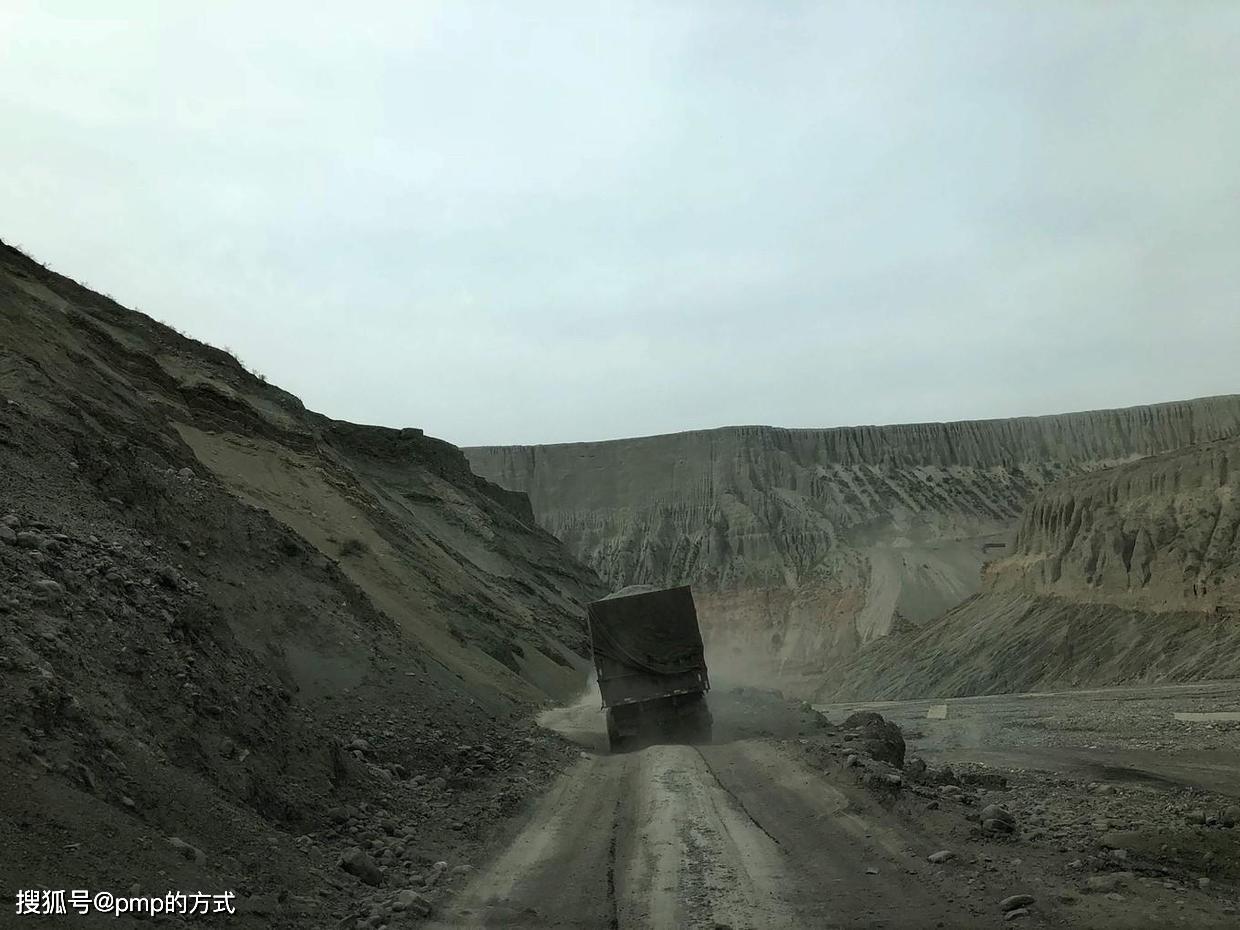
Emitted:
<point x="878" y="737"/>
<point x="356" y="862"/>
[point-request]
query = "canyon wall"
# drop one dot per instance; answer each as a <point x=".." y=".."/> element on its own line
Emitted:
<point x="1127" y="575"/>
<point x="803" y="545"/>
<point x="1159" y="534"/>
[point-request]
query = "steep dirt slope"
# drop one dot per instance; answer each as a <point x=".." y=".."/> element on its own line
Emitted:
<point x="232" y="622"/>
<point x="1129" y="575"/>
<point x="804" y="544"/>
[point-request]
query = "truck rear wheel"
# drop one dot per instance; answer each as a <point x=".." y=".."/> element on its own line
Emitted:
<point x="615" y="741"/>
<point x="701" y="724"/>
<point x="693" y="722"/>
<point x="705" y="729"/>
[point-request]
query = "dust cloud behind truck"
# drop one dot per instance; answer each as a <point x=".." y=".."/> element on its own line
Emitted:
<point x="651" y="666"/>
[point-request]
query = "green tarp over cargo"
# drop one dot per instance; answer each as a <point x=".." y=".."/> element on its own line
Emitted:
<point x="648" y="629"/>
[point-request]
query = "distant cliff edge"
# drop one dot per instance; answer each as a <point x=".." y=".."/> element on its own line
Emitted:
<point x="804" y="544"/>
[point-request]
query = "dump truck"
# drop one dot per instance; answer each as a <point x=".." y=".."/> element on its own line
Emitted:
<point x="651" y="666"/>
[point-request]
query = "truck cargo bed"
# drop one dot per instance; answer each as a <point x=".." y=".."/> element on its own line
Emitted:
<point x="647" y="646"/>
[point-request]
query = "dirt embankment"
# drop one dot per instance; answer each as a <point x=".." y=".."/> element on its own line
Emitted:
<point x="1129" y="575"/>
<point x="804" y="545"/>
<point x="269" y="636"/>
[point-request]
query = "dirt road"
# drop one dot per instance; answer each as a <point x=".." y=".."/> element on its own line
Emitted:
<point x="737" y="835"/>
<point x="779" y="832"/>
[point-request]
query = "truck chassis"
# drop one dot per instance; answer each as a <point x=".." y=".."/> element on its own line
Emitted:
<point x="679" y="717"/>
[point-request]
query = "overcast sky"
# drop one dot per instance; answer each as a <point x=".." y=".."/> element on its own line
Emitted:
<point x="541" y="222"/>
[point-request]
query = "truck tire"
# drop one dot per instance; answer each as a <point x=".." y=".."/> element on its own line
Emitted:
<point x="706" y="729"/>
<point x="615" y="742"/>
<point x="695" y="722"/>
<point x="703" y="725"/>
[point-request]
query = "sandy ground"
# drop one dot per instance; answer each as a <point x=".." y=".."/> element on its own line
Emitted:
<point x="757" y="832"/>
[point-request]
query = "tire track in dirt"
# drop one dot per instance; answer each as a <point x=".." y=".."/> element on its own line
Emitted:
<point x="738" y="835"/>
<point x="696" y="859"/>
<point x="559" y="870"/>
<point x="736" y="800"/>
<point x="614" y="923"/>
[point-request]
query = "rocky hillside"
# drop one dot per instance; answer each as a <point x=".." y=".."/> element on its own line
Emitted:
<point x="1159" y="534"/>
<point x="239" y="639"/>
<point x="1128" y="575"/>
<point x="804" y="544"/>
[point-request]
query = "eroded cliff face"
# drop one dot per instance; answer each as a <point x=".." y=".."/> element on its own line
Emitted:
<point x="1159" y="534"/>
<point x="1127" y="575"/>
<point x="802" y="545"/>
